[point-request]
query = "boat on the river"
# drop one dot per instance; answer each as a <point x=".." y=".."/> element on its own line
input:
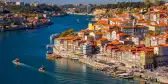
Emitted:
<point x="42" y="69"/>
<point x="16" y="61"/>
<point x="77" y="21"/>
<point x="126" y="76"/>
<point x="49" y="55"/>
<point x="75" y="58"/>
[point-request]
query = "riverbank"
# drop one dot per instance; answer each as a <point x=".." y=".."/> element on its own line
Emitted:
<point x="112" y="68"/>
<point x="82" y="14"/>
<point x="22" y="27"/>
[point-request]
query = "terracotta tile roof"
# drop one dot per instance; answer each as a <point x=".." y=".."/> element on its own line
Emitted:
<point x="123" y="15"/>
<point x="130" y="27"/>
<point x="110" y="30"/>
<point x="98" y="33"/>
<point x="163" y="36"/>
<point x="101" y="22"/>
<point x="114" y="43"/>
<point x="161" y="24"/>
<point x="86" y="30"/>
<point x="122" y="34"/>
<point x="104" y="28"/>
<point x="87" y="41"/>
<point x="102" y="39"/>
<point x="112" y="47"/>
<point x="114" y="25"/>
<point x="116" y="19"/>
<point x="120" y="20"/>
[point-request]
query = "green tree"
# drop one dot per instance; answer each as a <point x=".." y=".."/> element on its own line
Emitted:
<point x="68" y="32"/>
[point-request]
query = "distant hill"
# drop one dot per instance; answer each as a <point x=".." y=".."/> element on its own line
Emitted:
<point x="28" y="8"/>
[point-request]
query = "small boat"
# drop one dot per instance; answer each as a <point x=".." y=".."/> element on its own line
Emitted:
<point x="16" y="61"/>
<point x="126" y="76"/>
<point x="42" y="69"/>
<point x="50" y="57"/>
<point x="75" y="58"/>
<point x="49" y="53"/>
<point x="120" y="72"/>
<point x="77" y="21"/>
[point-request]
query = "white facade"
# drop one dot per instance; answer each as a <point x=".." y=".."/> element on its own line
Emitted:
<point x="136" y="40"/>
<point x="154" y="41"/>
<point x="114" y="35"/>
<point x="87" y="49"/>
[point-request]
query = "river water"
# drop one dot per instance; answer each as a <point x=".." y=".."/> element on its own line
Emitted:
<point x="30" y="47"/>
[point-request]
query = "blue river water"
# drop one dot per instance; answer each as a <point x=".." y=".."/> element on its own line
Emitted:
<point x="30" y="47"/>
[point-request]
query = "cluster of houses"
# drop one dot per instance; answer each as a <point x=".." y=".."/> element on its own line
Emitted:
<point x="134" y="39"/>
<point x="12" y="21"/>
<point x="11" y="17"/>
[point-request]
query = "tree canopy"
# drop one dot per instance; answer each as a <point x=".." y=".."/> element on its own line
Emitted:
<point x="68" y="32"/>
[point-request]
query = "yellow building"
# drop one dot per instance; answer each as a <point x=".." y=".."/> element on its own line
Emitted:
<point x="90" y="26"/>
<point x="147" y="57"/>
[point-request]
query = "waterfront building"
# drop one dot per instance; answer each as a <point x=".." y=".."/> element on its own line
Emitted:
<point x="161" y="55"/>
<point x="110" y="50"/>
<point x="101" y="44"/>
<point x="87" y="48"/>
<point x="89" y="38"/>
<point x="147" y="58"/>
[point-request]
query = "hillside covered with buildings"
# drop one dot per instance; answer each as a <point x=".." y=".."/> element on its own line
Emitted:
<point x="20" y="15"/>
<point x="136" y="39"/>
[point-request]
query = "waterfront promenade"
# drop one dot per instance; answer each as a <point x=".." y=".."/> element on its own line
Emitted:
<point x="108" y="65"/>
